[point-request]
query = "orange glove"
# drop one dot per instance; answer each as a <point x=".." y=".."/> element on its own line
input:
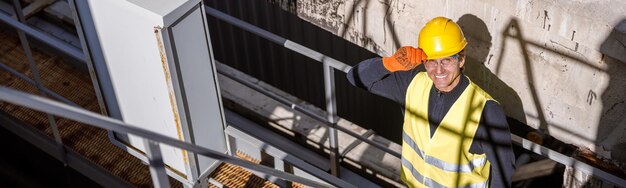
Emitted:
<point x="405" y="58"/>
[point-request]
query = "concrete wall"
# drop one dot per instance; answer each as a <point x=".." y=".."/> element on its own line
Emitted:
<point x="558" y="66"/>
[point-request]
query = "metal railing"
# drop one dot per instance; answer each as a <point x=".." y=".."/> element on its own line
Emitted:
<point x="70" y="110"/>
<point x="17" y="9"/>
<point x="43" y="37"/>
<point x="151" y="138"/>
<point x="329" y="65"/>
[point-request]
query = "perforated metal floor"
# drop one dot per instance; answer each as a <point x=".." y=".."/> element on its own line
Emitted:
<point x="89" y="141"/>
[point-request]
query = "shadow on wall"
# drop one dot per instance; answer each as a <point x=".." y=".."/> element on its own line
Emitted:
<point x="360" y="7"/>
<point x="612" y="125"/>
<point x="478" y="58"/>
<point x="611" y="133"/>
<point x="612" y="128"/>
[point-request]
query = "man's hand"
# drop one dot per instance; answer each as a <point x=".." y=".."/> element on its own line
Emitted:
<point x="405" y="58"/>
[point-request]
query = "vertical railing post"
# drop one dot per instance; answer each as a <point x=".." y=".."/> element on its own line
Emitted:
<point x="329" y="88"/>
<point x="17" y="7"/>
<point x="78" y="24"/>
<point x="157" y="167"/>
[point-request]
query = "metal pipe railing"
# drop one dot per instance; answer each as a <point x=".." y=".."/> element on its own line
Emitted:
<point x="525" y="143"/>
<point x="90" y="118"/>
<point x="40" y="36"/>
<point x="87" y="56"/>
<point x="331" y="109"/>
<point x="157" y="167"/>
<point x="329" y="78"/>
<point x="61" y="46"/>
<point x="279" y="40"/>
<point x="32" y="82"/>
<point x="567" y="160"/>
<point x="305" y="111"/>
<point x="329" y="64"/>
<point x="17" y="8"/>
<point x="156" y="171"/>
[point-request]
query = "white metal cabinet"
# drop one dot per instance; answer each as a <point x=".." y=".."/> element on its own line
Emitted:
<point x="154" y="66"/>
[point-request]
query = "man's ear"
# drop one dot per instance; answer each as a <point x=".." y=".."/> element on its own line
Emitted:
<point x="462" y="58"/>
<point x="462" y="61"/>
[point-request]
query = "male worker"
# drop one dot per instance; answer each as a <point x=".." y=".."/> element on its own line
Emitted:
<point x="454" y="133"/>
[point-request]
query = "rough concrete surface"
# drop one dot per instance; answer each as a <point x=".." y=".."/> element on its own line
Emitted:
<point x="557" y="66"/>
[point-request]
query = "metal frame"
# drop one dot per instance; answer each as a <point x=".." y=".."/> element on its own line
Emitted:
<point x="182" y="94"/>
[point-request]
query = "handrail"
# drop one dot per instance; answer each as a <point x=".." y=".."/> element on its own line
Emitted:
<point x="78" y="55"/>
<point x="32" y="82"/>
<point x="279" y="40"/>
<point x="93" y="119"/>
<point x="305" y="111"/>
<point x="55" y="43"/>
<point x="567" y="160"/>
<point x="525" y="143"/>
<point x="17" y="9"/>
<point x="304" y="51"/>
<point x="329" y="64"/>
<point x="51" y="41"/>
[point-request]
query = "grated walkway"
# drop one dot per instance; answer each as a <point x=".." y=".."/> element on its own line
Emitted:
<point x="91" y="142"/>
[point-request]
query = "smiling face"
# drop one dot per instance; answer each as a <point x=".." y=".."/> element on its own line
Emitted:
<point x="445" y="72"/>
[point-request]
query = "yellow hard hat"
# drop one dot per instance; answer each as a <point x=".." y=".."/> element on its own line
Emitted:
<point x="441" y="37"/>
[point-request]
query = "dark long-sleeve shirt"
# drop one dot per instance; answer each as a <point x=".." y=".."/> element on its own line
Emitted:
<point x="492" y="136"/>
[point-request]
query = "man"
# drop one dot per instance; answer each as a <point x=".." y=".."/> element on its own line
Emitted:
<point x="454" y="133"/>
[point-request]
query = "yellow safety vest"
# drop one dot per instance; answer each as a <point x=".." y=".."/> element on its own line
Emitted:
<point x="443" y="160"/>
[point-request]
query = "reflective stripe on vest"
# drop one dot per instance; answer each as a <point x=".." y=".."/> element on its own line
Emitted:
<point x="443" y="159"/>
<point x="445" y="166"/>
<point x="431" y="183"/>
